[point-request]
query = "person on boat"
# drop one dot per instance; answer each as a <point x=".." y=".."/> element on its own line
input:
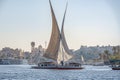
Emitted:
<point x="62" y="63"/>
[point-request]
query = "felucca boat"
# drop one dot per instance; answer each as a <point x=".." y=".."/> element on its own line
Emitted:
<point x="58" y="51"/>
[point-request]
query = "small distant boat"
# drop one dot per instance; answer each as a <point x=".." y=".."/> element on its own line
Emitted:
<point x="82" y="59"/>
<point x="116" y="68"/>
<point x="115" y="64"/>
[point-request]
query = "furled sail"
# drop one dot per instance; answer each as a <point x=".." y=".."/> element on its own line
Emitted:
<point x="52" y="50"/>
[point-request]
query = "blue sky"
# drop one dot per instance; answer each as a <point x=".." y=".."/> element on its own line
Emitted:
<point x="88" y="22"/>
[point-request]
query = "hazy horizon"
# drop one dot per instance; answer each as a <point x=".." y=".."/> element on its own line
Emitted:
<point x="88" y="22"/>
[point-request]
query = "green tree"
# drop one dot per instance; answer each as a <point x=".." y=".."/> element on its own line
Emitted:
<point x="106" y="52"/>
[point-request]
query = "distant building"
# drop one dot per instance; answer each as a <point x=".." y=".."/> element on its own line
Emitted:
<point x="13" y="56"/>
<point x="93" y="53"/>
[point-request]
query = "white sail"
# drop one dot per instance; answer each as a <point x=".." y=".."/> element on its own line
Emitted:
<point x="62" y="54"/>
<point x="82" y="59"/>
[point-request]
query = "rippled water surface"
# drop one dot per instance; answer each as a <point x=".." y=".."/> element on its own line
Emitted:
<point x="24" y="72"/>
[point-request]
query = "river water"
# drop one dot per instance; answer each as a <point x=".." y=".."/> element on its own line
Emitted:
<point x="24" y="72"/>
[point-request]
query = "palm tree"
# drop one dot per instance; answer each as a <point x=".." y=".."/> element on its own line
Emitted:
<point x="116" y="53"/>
<point x="107" y="54"/>
<point x="114" y="50"/>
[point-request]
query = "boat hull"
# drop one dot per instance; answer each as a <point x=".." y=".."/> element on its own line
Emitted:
<point x="59" y="68"/>
<point x="116" y="68"/>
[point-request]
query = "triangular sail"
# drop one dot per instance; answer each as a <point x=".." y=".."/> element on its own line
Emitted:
<point x="63" y="36"/>
<point x="64" y="52"/>
<point x="57" y="44"/>
<point x="52" y="50"/>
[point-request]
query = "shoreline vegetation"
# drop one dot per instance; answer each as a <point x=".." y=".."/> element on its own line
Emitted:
<point x="116" y="53"/>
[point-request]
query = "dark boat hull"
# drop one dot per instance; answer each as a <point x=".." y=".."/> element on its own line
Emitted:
<point x="116" y="68"/>
<point x="59" y="68"/>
